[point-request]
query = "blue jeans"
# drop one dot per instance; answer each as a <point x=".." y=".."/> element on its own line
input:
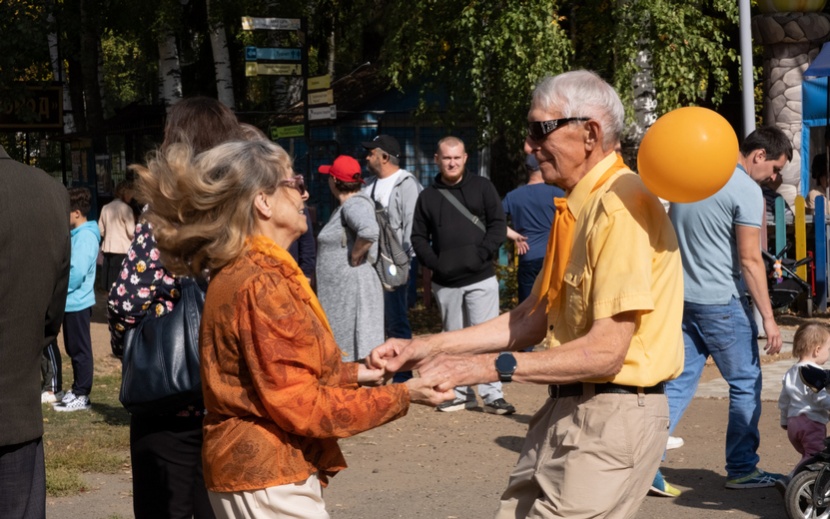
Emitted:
<point x="727" y="333"/>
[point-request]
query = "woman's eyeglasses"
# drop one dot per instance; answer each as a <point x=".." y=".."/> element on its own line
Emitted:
<point x="538" y="130"/>
<point x="297" y="182"/>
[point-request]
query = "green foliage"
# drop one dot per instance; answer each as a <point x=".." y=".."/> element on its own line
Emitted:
<point x="691" y="50"/>
<point x="485" y="57"/>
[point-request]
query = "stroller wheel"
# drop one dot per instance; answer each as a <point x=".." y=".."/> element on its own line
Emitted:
<point x="800" y="499"/>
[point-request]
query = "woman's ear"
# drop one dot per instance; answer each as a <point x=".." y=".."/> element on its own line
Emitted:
<point x="262" y="205"/>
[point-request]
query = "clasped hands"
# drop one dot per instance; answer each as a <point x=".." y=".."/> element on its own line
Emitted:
<point x="438" y="374"/>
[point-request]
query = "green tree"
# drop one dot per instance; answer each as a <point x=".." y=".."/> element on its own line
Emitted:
<point x="484" y="57"/>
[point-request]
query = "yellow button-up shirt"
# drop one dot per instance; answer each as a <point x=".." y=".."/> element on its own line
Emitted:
<point x="624" y="258"/>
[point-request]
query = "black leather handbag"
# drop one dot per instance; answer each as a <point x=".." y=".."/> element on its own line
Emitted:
<point x="160" y="367"/>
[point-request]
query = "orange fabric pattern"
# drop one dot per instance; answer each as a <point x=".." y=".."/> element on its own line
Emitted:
<point x="276" y="390"/>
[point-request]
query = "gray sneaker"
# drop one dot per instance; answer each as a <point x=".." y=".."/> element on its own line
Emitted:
<point x="499" y="406"/>
<point x="78" y="403"/>
<point x="456" y="405"/>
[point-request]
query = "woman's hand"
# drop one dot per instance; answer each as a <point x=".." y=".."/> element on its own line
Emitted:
<point x="370" y="377"/>
<point x="422" y="391"/>
<point x="359" y="251"/>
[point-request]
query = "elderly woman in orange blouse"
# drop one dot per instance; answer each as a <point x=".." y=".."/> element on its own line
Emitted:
<point x="277" y="393"/>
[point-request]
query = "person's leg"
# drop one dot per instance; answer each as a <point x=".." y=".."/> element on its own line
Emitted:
<point x="78" y="343"/>
<point x="729" y="332"/>
<point x="167" y="467"/>
<point x="23" y="481"/>
<point x="412" y="297"/>
<point x="681" y="391"/>
<point x="396" y="319"/>
<point x="54" y="371"/>
<point x="481" y="303"/>
<point x="450" y="304"/>
<point x="610" y="442"/>
<point x="302" y="499"/>
<point x="526" y="276"/>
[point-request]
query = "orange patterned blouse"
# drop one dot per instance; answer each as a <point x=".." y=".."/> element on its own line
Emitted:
<point x="277" y="393"/>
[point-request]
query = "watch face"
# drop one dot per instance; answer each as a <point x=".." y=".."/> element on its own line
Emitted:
<point x="506" y="363"/>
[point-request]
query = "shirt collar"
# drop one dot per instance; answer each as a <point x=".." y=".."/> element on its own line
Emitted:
<point x="580" y="192"/>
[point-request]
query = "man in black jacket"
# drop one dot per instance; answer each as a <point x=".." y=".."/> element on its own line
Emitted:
<point x="458" y="227"/>
<point x="34" y="275"/>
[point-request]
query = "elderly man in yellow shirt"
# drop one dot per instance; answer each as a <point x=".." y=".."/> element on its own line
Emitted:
<point x="608" y="304"/>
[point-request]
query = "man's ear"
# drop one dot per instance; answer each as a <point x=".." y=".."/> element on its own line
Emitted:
<point x="262" y="205"/>
<point x="593" y="135"/>
<point x="760" y="156"/>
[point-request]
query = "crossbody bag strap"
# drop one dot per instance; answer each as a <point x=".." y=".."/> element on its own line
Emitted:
<point x="463" y="210"/>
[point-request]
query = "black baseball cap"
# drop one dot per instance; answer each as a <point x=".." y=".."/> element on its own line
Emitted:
<point x="386" y="143"/>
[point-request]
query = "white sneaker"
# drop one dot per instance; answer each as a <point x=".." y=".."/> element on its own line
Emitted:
<point x="78" y="403"/>
<point x="66" y="398"/>
<point x="675" y="442"/>
<point x="49" y="397"/>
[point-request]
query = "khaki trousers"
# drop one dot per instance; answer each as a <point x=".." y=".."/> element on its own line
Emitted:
<point x="592" y="456"/>
<point x="302" y="500"/>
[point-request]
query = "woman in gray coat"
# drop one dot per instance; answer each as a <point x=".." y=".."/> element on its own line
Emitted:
<point x="347" y="285"/>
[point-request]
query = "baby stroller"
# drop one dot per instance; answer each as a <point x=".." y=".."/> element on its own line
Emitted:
<point x="808" y="492"/>
<point x="784" y="284"/>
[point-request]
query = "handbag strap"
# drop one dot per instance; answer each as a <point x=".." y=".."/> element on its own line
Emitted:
<point x="463" y="210"/>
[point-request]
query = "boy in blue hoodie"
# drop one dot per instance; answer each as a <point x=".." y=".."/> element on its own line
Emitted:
<point x="85" y="238"/>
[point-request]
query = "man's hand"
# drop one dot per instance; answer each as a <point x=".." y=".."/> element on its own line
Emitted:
<point x="398" y="354"/>
<point x="422" y="391"/>
<point x="519" y="241"/>
<point x="450" y="371"/>
<point x="774" y="341"/>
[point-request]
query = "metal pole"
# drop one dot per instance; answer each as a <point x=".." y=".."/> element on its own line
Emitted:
<point x="747" y="79"/>
<point x="748" y="102"/>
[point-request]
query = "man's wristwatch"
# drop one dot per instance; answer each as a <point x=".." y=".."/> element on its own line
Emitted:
<point x="506" y="366"/>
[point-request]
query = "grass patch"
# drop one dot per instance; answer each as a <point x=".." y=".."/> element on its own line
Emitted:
<point x="86" y="441"/>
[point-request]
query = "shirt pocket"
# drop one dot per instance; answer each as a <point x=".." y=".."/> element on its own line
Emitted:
<point x="575" y="307"/>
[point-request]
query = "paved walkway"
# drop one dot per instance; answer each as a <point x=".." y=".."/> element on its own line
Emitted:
<point x="772" y="371"/>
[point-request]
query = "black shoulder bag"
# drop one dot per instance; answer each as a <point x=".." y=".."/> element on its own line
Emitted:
<point x="160" y="368"/>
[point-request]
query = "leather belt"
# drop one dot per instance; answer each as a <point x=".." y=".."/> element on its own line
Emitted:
<point x="579" y="388"/>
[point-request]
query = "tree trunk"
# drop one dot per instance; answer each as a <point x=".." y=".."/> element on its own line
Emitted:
<point x="92" y="89"/>
<point x="644" y="93"/>
<point x="59" y="74"/>
<point x="170" y="73"/>
<point x="221" y="62"/>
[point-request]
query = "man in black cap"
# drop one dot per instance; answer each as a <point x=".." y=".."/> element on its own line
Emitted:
<point x="397" y="190"/>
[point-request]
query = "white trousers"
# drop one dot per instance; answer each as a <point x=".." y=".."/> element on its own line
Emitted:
<point x="302" y="500"/>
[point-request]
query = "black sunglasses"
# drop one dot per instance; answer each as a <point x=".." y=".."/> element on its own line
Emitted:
<point x="537" y="130"/>
<point x="297" y="182"/>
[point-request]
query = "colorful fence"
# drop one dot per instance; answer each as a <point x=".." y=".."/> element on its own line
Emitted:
<point x="810" y="237"/>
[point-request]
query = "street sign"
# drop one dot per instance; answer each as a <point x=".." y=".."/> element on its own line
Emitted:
<point x="272" y="69"/>
<point x="250" y="23"/>
<point x="326" y="97"/>
<point x="280" y="132"/>
<point x="319" y="82"/>
<point x="41" y="109"/>
<point x="323" y="112"/>
<point x="272" y="54"/>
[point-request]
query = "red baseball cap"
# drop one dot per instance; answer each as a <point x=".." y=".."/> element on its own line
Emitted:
<point x="345" y="168"/>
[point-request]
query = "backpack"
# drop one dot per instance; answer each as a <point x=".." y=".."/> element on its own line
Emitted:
<point x="392" y="263"/>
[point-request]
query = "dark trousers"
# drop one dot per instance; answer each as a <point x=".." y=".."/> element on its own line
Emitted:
<point x="526" y="276"/>
<point x="78" y="344"/>
<point x="111" y="268"/>
<point x="396" y="315"/>
<point x="166" y="454"/>
<point x="22" y="481"/>
<point x="51" y="369"/>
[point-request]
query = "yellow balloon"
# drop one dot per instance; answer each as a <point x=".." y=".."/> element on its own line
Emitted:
<point x="688" y="154"/>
